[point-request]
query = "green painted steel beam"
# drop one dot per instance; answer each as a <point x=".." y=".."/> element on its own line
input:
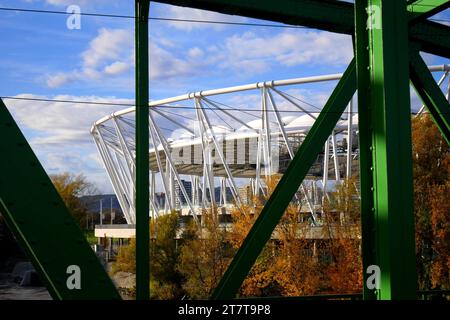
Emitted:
<point x="368" y="245"/>
<point x="423" y="9"/>
<point x="430" y="93"/>
<point x="142" y="147"/>
<point x="288" y="185"/>
<point x="40" y="221"/>
<point x="431" y="37"/>
<point x="385" y="146"/>
<point x="333" y="16"/>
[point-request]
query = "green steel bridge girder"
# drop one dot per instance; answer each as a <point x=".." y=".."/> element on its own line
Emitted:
<point x="333" y="16"/>
<point x="385" y="148"/>
<point x="397" y="261"/>
<point x="423" y="9"/>
<point x="40" y="221"/>
<point x="287" y="186"/>
<point x="142" y="147"/>
<point x="430" y="93"/>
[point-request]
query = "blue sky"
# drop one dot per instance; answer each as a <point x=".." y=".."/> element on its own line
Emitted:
<point x="41" y="57"/>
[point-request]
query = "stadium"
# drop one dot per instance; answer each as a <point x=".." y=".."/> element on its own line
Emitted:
<point x="221" y="154"/>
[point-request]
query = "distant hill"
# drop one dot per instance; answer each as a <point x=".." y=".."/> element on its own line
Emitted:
<point x="93" y="202"/>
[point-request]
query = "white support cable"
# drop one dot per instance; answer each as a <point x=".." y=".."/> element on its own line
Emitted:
<point x="161" y="170"/>
<point x="152" y="194"/>
<point x="291" y="152"/>
<point x="229" y="114"/>
<point x="203" y="185"/>
<point x="448" y="87"/>
<point x="335" y="156"/>
<point x="326" y="159"/>
<point x="173" y="121"/>
<point x="172" y="166"/>
<point x="128" y="156"/>
<point x="349" y="139"/>
<point x="120" y="192"/>
<point x="258" y="183"/>
<point x="266" y="134"/>
<point x="110" y="162"/>
<point x="441" y="80"/>
<point x="207" y="159"/>
<point x="221" y="157"/>
<point x="258" y="165"/>
<point x="282" y="94"/>
<point x="125" y="178"/>
<point x="169" y="175"/>
<point x="194" y="184"/>
<point x="247" y="87"/>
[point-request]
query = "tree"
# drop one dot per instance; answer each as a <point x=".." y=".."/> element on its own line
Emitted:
<point x="125" y="259"/>
<point x="205" y="255"/>
<point x="440" y="227"/>
<point x="431" y="161"/>
<point x="286" y="266"/>
<point x="342" y="229"/>
<point x="71" y="187"/>
<point x="165" y="279"/>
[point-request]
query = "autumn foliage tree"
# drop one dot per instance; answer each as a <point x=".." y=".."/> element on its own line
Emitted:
<point x="165" y="279"/>
<point x="431" y="169"/>
<point x="71" y="187"/>
<point x="294" y="262"/>
<point x="342" y="228"/>
<point x="204" y="256"/>
<point x="286" y="266"/>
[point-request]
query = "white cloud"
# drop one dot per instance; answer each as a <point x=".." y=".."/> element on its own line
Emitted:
<point x="111" y="53"/>
<point x="197" y="14"/>
<point x="60" y="3"/>
<point x="109" y="44"/>
<point x="60" y="79"/>
<point x="117" y="67"/>
<point x="164" y="65"/>
<point x="59" y="133"/>
<point x="252" y="53"/>
<point x="195" y="53"/>
<point x="61" y="123"/>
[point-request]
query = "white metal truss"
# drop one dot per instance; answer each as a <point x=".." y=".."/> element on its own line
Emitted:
<point x="222" y="143"/>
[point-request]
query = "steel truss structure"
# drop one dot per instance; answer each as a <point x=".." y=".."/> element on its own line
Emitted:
<point x="242" y="149"/>
<point x="388" y="36"/>
<point x="218" y="145"/>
